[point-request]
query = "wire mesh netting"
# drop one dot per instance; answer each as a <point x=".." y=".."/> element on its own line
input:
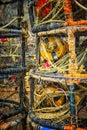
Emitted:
<point x="10" y="52"/>
<point x="9" y="12"/>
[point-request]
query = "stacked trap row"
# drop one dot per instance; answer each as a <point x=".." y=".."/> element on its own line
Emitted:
<point x="12" y="65"/>
<point x="58" y="83"/>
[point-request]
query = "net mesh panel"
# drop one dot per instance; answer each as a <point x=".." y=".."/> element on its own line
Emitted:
<point x="78" y="12"/>
<point x="10" y="53"/>
<point x="8" y="12"/>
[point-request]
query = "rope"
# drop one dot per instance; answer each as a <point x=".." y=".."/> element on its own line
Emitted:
<point x="52" y="12"/>
<point x="53" y="111"/>
<point x="12" y="21"/>
<point x="62" y="64"/>
<point x="50" y="21"/>
<point x="24" y="29"/>
<point x="80" y="5"/>
<point x="50" y="109"/>
<point x="52" y="115"/>
<point x="57" y="13"/>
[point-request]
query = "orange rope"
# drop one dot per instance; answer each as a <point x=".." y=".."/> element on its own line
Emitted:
<point x="68" y="14"/>
<point x="72" y="128"/>
<point x="80" y="22"/>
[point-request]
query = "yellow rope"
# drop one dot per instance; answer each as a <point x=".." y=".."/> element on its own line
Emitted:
<point x="53" y="10"/>
<point x="49" y="115"/>
<point x="62" y="64"/>
<point x="13" y="20"/>
<point x="50" y="13"/>
<point x="57" y="13"/>
<point x="51" y="109"/>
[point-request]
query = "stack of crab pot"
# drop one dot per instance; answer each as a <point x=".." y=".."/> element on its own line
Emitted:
<point x="58" y="83"/>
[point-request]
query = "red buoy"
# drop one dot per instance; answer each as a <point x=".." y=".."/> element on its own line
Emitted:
<point x="43" y="7"/>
